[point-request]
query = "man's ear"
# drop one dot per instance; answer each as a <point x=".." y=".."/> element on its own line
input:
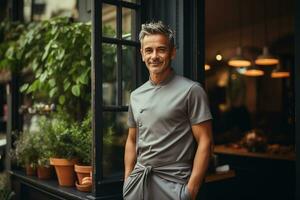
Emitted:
<point x="173" y="53"/>
<point x="141" y="50"/>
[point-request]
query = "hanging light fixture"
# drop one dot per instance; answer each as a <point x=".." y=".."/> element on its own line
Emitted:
<point x="279" y="72"/>
<point x="238" y="60"/>
<point x="253" y="70"/>
<point x="266" y="58"/>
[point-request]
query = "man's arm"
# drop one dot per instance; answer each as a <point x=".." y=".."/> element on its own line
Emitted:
<point x="130" y="152"/>
<point x="203" y="134"/>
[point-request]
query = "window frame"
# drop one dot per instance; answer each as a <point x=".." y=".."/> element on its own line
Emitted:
<point x="103" y="186"/>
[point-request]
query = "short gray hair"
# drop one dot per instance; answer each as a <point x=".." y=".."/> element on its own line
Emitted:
<point x="159" y="27"/>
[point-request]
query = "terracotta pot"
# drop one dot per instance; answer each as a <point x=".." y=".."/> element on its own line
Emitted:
<point x="64" y="170"/>
<point x="30" y="171"/>
<point x="84" y="187"/>
<point x="82" y="171"/>
<point x="44" y="172"/>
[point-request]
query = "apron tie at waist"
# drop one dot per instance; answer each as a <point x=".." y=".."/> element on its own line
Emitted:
<point x="176" y="172"/>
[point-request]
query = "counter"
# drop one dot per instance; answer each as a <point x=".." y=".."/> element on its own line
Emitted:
<point x="239" y="151"/>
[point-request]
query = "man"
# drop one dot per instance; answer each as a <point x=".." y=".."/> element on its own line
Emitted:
<point x="169" y="141"/>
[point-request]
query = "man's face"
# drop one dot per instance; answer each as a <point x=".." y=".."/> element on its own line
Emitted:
<point x="157" y="53"/>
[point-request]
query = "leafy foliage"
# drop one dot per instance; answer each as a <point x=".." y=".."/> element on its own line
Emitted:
<point x="43" y="141"/>
<point x="62" y="137"/>
<point x="63" y="143"/>
<point x="26" y="151"/>
<point x="83" y="132"/>
<point x="58" y="53"/>
<point x="10" y="56"/>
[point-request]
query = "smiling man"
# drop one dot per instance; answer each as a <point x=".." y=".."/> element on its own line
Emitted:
<point x="169" y="141"/>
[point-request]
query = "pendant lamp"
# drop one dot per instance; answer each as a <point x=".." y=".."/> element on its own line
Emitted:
<point x="253" y="71"/>
<point x="238" y="60"/>
<point x="266" y="58"/>
<point x="279" y="72"/>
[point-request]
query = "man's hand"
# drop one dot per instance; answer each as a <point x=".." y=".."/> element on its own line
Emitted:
<point x="193" y="190"/>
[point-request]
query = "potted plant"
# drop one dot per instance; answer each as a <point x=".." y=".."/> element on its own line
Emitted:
<point x="83" y="168"/>
<point x="44" y="169"/>
<point x="26" y="151"/>
<point x="64" y="148"/>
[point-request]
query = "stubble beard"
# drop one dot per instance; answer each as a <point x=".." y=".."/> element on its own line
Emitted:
<point x="159" y="69"/>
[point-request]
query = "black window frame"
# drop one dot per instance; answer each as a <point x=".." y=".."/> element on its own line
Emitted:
<point x="101" y="185"/>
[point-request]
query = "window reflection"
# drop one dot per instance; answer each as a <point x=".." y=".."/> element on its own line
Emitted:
<point x="109" y="61"/>
<point x="109" y="23"/>
<point x="128" y="71"/>
<point x="128" y="24"/>
<point x="114" y="138"/>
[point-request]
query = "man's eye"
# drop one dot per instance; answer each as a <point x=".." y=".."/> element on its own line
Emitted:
<point x="162" y="50"/>
<point x="148" y="50"/>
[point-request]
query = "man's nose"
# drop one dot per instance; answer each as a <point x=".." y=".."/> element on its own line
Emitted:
<point x="154" y="54"/>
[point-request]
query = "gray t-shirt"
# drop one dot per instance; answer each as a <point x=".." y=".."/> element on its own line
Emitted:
<point x="163" y="115"/>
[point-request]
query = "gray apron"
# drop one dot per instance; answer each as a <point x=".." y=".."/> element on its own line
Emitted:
<point x="156" y="182"/>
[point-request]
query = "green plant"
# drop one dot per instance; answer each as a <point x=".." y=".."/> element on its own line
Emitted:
<point x="10" y="54"/>
<point x="26" y="151"/>
<point x="83" y="131"/>
<point x="63" y="141"/>
<point x="57" y="55"/>
<point x="43" y="140"/>
<point x="57" y="51"/>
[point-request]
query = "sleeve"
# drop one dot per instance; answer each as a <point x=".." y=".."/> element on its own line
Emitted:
<point x="130" y="121"/>
<point x="198" y="109"/>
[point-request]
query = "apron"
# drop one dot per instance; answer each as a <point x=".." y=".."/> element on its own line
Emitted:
<point x="159" y="182"/>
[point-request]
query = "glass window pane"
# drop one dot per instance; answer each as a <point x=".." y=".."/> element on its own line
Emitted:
<point x="247" y="108"/>
<point x="109" y="20"/>
<point x="109" y="62"/>
<point x="128" y="64"/>
<point x="128" y="24"/>
<point x="114" y="138"/>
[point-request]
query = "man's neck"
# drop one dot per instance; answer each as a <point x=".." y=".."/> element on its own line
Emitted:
<point x="158" y="78"/>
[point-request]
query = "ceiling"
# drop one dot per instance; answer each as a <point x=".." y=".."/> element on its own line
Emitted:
<point x="225" y="28"/>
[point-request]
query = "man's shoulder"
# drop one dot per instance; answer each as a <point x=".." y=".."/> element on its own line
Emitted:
<point x="140" y="88"/>
<point x="185" y="82"/>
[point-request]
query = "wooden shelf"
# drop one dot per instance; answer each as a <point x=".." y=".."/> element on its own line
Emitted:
<point x="223" y="149"/>
<point x="219" y="176"/>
